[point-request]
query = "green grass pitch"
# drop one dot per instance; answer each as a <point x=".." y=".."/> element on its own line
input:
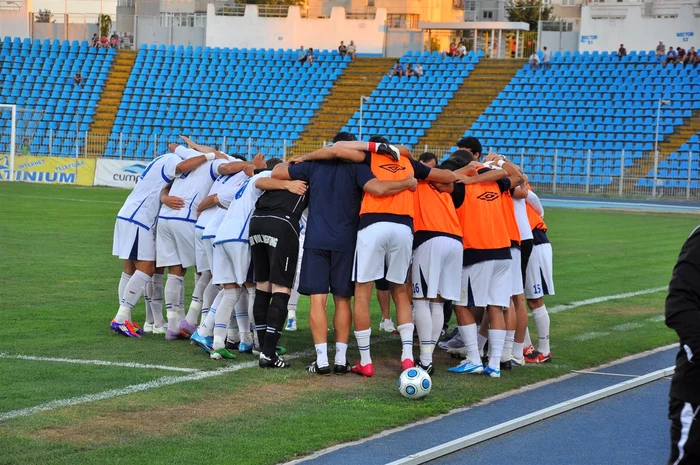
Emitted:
<point x="58" y="292"/>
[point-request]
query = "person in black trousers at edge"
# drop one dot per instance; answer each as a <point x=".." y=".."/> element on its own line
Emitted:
<point x="683" y="316"/>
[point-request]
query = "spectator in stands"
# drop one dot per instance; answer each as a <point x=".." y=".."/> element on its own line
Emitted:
<point x="546" y="59"/>
<point x="691" y="58"/>
<point x="310" y="55"/>
<point x="78" y="79"/>
<point x="352" y="50"/>
<point x="681" y="54"/>
<point x="95" y="40"/>
<point x="428" y="159"/>
<point x="114" y="41"/>
<point x="342" y="50"/>
<point x="660" y="50"/>
<point x="397" y="70"/>
<point x="104" y="42"/>
<point x="301" y="58"/>
<point x="453" y="50"/>
<point x="621" y="52"/>
<point x="534" y="62"/>
<point x="461" y="50"/>
<point x="417" y="70"/>
<point x="409" y="70"/>
<point x="671" y="57"/>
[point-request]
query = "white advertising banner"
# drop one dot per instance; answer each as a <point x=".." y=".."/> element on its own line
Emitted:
<point x="118" y="173"/>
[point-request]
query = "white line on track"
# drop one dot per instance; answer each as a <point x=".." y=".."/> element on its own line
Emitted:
<point x="97" y="362"/>
<point x="67" y="199"/>
<point x="597" y="300"/>
<point x="619" y="328"/>
<point x="134" y="388"/>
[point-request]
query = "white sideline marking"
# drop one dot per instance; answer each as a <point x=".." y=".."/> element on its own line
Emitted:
<point x="134" y="388"/>
<point x="525" y="420"/>
<point x="97" y="362"/>
<point x="597" y="300"/>
<point x="61" y="198"/>
<point x="619" y="328"/>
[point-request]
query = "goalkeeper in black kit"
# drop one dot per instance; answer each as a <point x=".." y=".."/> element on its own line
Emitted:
<point x="683" y="316"/>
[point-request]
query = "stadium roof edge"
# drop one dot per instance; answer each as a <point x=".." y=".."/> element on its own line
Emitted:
<point x="470" y="25"/>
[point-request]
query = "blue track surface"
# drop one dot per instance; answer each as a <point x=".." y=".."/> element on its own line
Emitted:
<point x="621" y="204"/>
<point x="418" y="438"/>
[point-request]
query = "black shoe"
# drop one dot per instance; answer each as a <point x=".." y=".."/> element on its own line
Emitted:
<point x="314" y="368"/>
<point x="276" y="362"/>
<point x="231" y="345"/>
<point x="506" y="365"/>
<point x="340" y="369"/>
<point x="428" y="368"/>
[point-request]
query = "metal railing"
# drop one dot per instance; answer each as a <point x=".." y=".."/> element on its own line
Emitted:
<point x="586" y="172"/>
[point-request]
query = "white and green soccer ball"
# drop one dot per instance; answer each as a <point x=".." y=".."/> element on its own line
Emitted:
<point x="415" y="383"/>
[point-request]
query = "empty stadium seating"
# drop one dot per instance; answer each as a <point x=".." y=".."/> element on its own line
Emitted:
<point x="38" y="77"/>
<point x="213" y="93"/>
<point x="402" y="108"/>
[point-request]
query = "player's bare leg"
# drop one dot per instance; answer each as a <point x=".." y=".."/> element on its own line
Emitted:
<point x="132" y="292"/>
<point x="342" y="321"/>
<point x="541" y="317"/>
<point x="404" y="318"/>
<point x="520" y="328"/>
<point x="466" y="325"/>
<point x="363" y="330"/>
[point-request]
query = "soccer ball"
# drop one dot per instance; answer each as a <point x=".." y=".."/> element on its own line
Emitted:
<point x="415" y="383"/>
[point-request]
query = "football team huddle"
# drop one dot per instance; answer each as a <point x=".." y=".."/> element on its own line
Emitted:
<point x="467" y="234"/>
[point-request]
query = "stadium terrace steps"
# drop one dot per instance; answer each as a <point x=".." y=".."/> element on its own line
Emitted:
<point x="110" y="99"/>
<point x="358" y="79"/>
<point x="474" y="95"/>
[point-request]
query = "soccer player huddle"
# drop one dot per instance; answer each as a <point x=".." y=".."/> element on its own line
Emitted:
<point x="334" y="221"/>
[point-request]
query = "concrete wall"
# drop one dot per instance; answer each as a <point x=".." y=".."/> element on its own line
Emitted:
<point x="294" y="31"/>
<point x="560" y="41"/>
<point x="398" y="41"/>
<point x="600" y="31"/>
<point x="16" y="23"/>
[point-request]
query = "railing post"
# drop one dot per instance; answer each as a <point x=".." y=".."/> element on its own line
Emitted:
<point x="121" y="152"/>
<point x="690" y="165"/>
<point x="588" y="171"/>
<point x="85" y="149"/>
<point x="622" y="173"/>
<point x="223" y="145"/>
<point x="50" y="142"/>
<point x="656" y="171"/>
<point x="554" y="171"/>
<point x="522" y="160"/>
<point x="426" y="148"/>
<point x="284" y="149"/>
<point x="249" y="147"/>
<point x="155" y="145"/>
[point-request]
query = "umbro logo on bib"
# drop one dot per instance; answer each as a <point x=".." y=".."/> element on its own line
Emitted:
<point x="392" y="168"/>
<point x="488" y="196"/>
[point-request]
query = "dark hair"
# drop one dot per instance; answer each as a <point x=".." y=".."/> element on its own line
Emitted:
<point x="272" y="162"/>
<point x="427" y="156"/>
<point x="471" y="143"/>
<point x="344" y="136"/>
<point x="464" y="155"/>
<point x="239" y="157"/>
<point x="453" y="164"/>
<point x="379" y="139"/>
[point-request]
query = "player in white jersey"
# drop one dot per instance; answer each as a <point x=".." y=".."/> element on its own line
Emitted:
<point x="519" y="205"/>
<point x="134" y="234"/>
<point x="294" y="297"/>
<point x="232" y="257"/>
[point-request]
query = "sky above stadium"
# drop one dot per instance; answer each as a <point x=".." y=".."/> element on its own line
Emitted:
<point x="76" y="6"/>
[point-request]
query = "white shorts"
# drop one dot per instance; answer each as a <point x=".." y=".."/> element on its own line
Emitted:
<point x="231" y="263"/>
<point x="175" y="243"/>
<point x="200" y="255"/>
<point x="538" y="277"/>
<point x="132" y="242"/>
<point x="208" y="245"/>
<point x="516" y="272"/>
<point x="301" y="255"/>
<point x="383" y="246"/>
<point x="437" y="269"/>
<point x="486" y="283"/>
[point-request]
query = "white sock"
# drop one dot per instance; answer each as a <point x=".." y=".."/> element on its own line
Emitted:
<point x="481" y="341"/>
<point x="181" y="304"/>
<point x="243" y="318"/>
<point x="198" y="297"/>
<point x="363" y="345"/>
<point x="223" y="316"/>
<point x="508" y="346"/>
<point x="233" y="334"/>
<point x="122" y="285"/>
<point x="292" y="304"/>
<point x="173" y="285"/>
<point x="210" y="294"/>
<point x="528" y="341"/>
<point x="497" y="338"/>
<point x="406" y="332"/>
<point x="206" y="329"/>
<point x="518" y="350"/>
<point x="468" y="333"/>
<point x="157" y="300"/>
<point x="438" y="316"/>
<point x="147" y="291"/>
<point x="341" y="350"/>
<point x="131" y="295"/>
<point x="424" y="325"/>
<point x="541" y="317"/>
<point x="322" y="354"/>
<point x="251" y="302"/>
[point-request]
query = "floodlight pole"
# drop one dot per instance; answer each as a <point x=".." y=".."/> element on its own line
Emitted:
<point x="656" y="143"/>
<point x="13" y="146"/>
<point x="363" y="98"/>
